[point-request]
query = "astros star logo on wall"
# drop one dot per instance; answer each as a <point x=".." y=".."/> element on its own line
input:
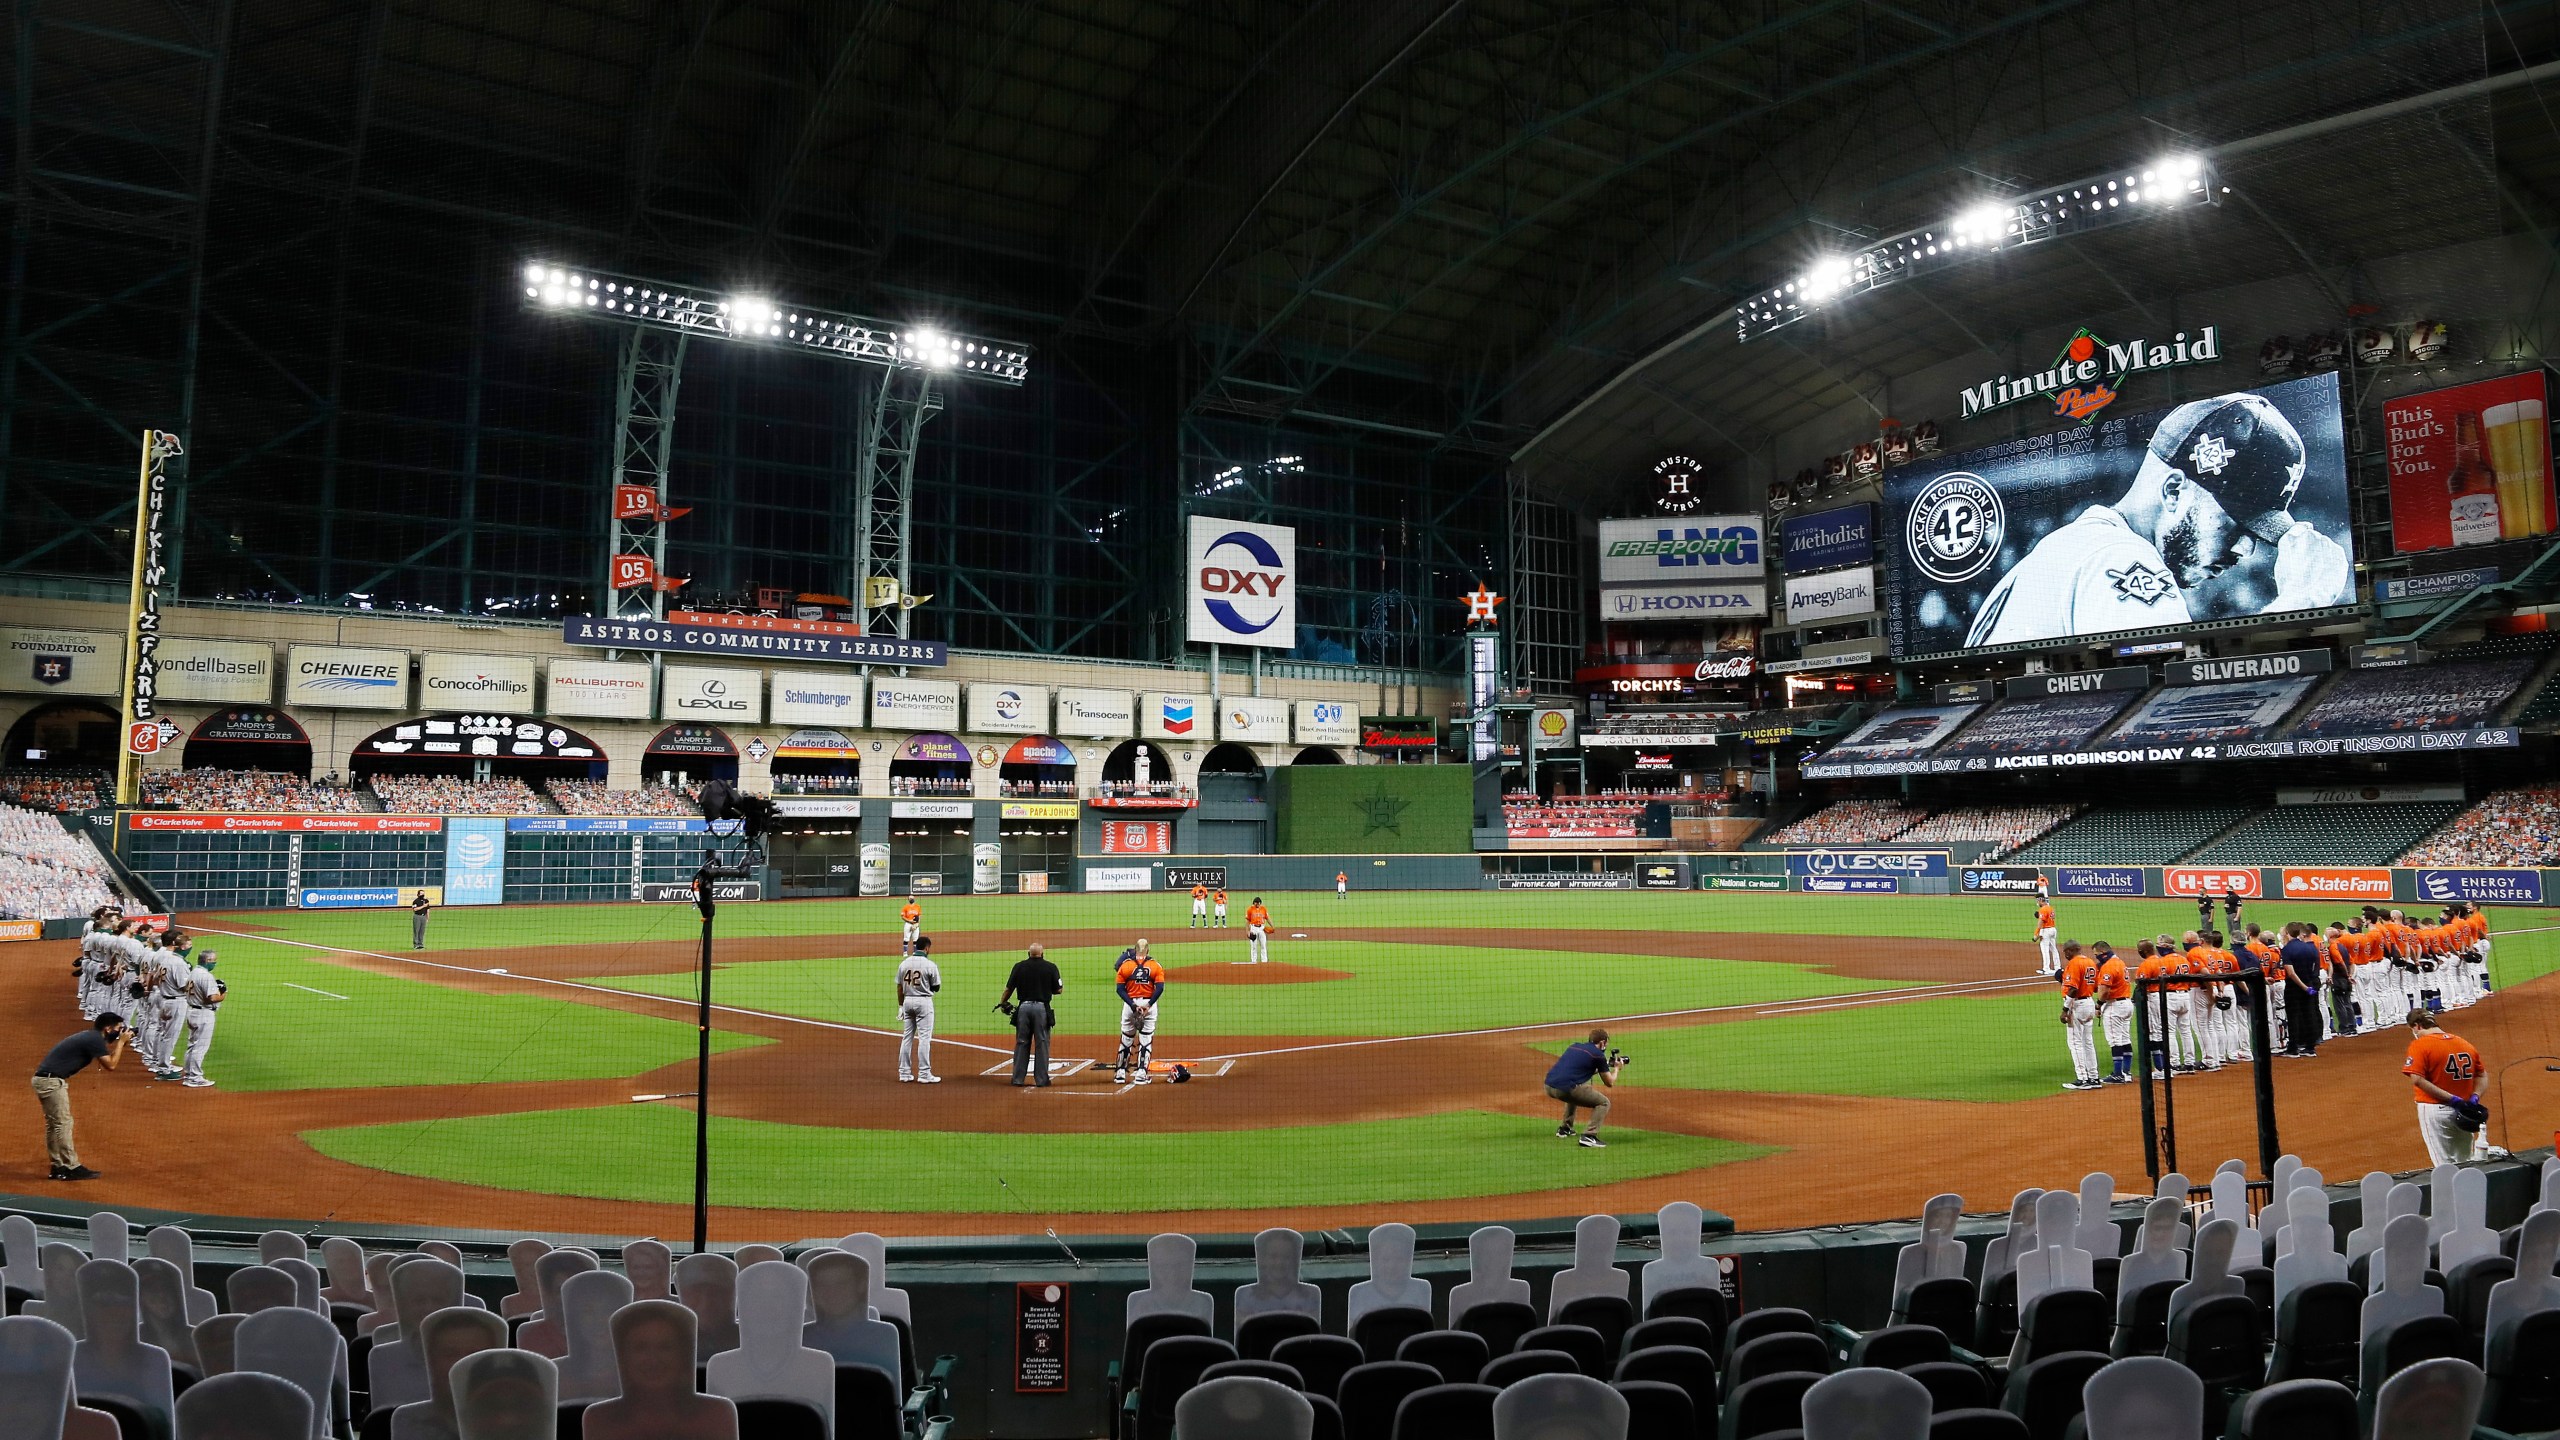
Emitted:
<point x="1480" y="602"/>
<point x="1381" y="810"/>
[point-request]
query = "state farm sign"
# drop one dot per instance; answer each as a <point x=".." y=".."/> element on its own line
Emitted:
<point x="2337" y="883"/>
<point x="2189" y="882"/>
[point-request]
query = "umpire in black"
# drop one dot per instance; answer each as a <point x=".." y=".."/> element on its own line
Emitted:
<point x="1036" y="982"/>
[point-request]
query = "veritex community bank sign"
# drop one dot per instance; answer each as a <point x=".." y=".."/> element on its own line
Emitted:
<point x="2080" y="382"/>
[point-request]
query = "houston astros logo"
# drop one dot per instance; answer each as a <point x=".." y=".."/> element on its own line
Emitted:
<point x="1480" y="602"/>
<point x="1955" y="527"/>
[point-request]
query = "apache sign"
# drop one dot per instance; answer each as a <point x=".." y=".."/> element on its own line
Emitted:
<point x="2078" y="381"/>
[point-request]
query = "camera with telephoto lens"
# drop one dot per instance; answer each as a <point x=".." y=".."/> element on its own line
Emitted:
<point x="1617" y="1059"/>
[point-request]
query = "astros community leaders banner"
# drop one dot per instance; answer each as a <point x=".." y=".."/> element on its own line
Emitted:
<point x="2220" y="509"/>
<point x="1242" y="584"/>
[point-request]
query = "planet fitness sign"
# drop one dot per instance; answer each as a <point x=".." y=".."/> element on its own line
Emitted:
<point x="1243" y="587"/>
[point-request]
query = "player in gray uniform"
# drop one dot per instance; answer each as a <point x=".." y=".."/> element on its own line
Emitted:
<point x="204" y="995"/>
<point x="168" y="999"/>
<point x="2215" y="493"/>
<point x="137" y="993"/>
<point x="918" y="980"/>
<point x="97" y="942"/>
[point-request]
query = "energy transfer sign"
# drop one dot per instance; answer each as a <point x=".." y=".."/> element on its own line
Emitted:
<point x="1242" y="583"/>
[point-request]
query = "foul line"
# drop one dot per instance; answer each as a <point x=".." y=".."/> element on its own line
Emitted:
<point x="595" y="989"/>
<point x="289" y="985"/>
<point x="1768" y="1007"/>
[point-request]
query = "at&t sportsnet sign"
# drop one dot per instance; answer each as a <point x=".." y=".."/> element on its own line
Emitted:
<point x="1243" y="584"/>
<point x="2001" y="879"/>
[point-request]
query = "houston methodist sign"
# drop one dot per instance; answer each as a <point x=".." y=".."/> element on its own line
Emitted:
<point x="1242" y="583"/>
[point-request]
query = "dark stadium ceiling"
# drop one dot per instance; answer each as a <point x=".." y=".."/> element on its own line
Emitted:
<point x="1430" y="216"/>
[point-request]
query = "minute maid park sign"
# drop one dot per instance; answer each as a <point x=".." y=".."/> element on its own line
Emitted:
<point x="2079" y="383"/>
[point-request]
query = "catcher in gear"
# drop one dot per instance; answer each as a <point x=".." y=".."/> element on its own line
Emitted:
<point x="1140" y="983"/>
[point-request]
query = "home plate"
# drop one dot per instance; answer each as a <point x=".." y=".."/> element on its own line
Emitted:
<point x="1058" y="1069"/>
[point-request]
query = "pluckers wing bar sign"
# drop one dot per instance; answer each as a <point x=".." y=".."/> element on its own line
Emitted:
<point x="605" y="632"/>
<point x="2082" y="379"/>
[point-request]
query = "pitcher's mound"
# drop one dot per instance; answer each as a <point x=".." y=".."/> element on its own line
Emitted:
<point x="1277" y="972"/>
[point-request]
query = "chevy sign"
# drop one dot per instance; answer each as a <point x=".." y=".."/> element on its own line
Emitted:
<point x="1828" y="539"/>
<point x="1917" y="864"/>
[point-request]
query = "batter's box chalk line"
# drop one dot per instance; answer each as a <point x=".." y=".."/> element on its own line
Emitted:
<point x="1058" y="1069"/>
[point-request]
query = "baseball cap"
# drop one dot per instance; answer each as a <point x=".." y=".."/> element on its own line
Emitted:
<point x="2243" y="451"/>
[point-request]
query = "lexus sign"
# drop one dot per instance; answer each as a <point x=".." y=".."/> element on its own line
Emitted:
<point x="1242" y="584"/>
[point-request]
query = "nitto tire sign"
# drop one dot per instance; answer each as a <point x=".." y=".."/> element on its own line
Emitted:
<point x="1243" y="584"/>
<point x="2000" y="879"/>
<point x="2486" y="887"/>
<point x="680" y="892"/>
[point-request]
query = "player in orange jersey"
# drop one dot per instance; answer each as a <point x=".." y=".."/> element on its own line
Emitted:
<point x="1200" y="907"/>
<point x="2079" y="980"/>
<point x="1257" y="933"/>
<point x="2049" y="954"/>
<point x="2446" y="1071"/>
<point x="2115" y="1008"/>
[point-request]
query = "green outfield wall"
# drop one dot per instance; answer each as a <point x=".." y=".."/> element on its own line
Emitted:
<point x="1373" y="809"/>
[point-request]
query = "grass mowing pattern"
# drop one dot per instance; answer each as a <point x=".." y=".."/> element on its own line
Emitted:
<point x="1395" y="990"/>
<point x="770" y="1165"/>
<point x="393" y="1031"/>
<point x="2003" y="1046"/>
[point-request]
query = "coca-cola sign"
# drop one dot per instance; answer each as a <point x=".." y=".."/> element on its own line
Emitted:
<point x="1734" y="666"/>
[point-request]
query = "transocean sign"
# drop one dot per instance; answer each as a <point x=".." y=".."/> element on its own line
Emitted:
<point x="2081" y="380"/>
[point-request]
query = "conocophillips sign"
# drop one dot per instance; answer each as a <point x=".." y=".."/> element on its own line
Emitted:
<point x="457" y="682"/>
<point x="1243" y="584"/>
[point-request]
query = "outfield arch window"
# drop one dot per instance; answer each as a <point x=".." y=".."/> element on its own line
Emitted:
<point x="1037" y="767"/>
<point x="690" y="754"/>
<point x="479" y="746"/>
<point x="1317" y="755"/>
<point x="1138" y="767"/>
<point x="250" y="737"/>
<point x="930" y="764"/>
<point x="67" y="735"/>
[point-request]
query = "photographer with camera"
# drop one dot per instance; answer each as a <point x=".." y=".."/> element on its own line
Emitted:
<point x="1038" y="982"/>
<point x="1569" y="1080"/>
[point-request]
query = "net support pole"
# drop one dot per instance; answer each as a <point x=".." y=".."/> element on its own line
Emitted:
<point x="702" y="1084"/>
<point x="2263" y="1081"/>
<point x="2143" y="990"/>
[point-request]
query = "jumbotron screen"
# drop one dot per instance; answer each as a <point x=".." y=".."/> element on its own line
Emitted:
<point x="2220" y="508"/>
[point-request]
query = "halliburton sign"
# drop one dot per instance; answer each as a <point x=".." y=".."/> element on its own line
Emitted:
<point x="2337" y="883"/>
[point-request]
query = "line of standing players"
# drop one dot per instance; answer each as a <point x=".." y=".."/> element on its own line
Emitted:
<point x="160" y="983"/>
<point x="2363" y="973"/>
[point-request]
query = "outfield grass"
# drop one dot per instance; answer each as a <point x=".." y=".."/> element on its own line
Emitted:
<point x="1393" y="989"/>
<point x="645" y="1153"/>
<point x="294" y="1021"/>
<point x="2004" y="1046"/>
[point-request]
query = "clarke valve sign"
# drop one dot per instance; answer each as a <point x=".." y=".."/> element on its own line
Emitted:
<point x="1243" y="585"/>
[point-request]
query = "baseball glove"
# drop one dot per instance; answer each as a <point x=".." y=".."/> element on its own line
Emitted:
<point x="2221" y="1002"/>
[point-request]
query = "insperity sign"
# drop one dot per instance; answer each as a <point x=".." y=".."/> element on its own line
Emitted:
<point x="2082" y="379"/>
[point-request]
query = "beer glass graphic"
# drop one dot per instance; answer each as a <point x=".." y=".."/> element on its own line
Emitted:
<point x="2519" y="455"/>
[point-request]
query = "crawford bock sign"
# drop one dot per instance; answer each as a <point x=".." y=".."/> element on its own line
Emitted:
<point x="2081" y="380"/>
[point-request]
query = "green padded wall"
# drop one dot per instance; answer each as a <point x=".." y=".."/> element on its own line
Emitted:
<point x="1373" y="809"/>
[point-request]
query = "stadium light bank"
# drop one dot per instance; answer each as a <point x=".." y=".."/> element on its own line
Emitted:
<point x="752" y="318"/>
<point x="1986" y="228"/>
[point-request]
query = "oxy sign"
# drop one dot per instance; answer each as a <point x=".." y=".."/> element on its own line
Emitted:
<point x="1242" y="581"/>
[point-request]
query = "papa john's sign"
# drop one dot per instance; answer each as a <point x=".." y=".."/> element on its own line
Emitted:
<point x="1242" y="584"/>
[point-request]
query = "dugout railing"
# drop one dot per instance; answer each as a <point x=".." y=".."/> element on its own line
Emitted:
<point x="2155" y="1076"/>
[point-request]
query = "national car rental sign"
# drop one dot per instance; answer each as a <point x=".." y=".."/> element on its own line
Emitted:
<point x="1242" y="583"/>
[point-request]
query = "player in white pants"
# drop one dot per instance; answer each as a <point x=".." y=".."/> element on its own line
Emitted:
<point x="1219" y="901"/>
<point x="1257" y="933"/>
<point x="1139" y="981"/>
<point x="2048" y="948"/>
<point x="2080" y="1016"/>
<point x="1200" y="907"/>
<point x="2186" y="1041"/>
<point x="169" y="997"/>
<point x="918" y="981"/>
<point x="204" y="996"/>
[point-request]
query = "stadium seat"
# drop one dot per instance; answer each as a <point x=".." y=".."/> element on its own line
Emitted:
<point x="1579" y="1341"/>
<point x="2046" y="1393"/>
<point x="1321" y="1360"/>
<point x="1752" y="1324"/>
<point x="1243" y="1407"/>
<point x="1459" y="1355"/>
<point x="1981" y="1424"/>
<point x="1500" y="1322"/>
<point x="2142" y="1320"/>
<point x="570" y="1421"/>
<point x="1328" y="1422"/>
<point x="1766" y="1406"/>
<point x="1446" y="1412"/>
<point x="2316" y="1334"/>
<point x="1995" y="1322"/>
<point x="2523" y="1369"/>
<point x="1698" y="1303"/>
<point x="2060" y="1320"/>
<point x="1370" y="1393"/>
<point x="2466" y="1294"/>
<point x="1946" y="1305"/>
<point x="1271" y="1370"/>
<point x="1899" y="1347"/>
<point x="2131" y="835"/>
<point x="1952" y="1385"/>
<point x="1772" y="1354"/>
<point x="1658" y="1411"/>
<point x="1258" y="1335"/>
<point x="1380" y="1333"/>
<point x="1560" y="1407"/>
<point x="868" y="1402"/>
<point x="2296" y="1410"/>
<point x="1694" y="1371"/>
<point x="2431" y="1400"/>
<point x="2220" y="1340"/>
<point x="2328" y="834"/>
<point x="1611" y="1315"/>
<point x="1142" y="1334"/>
<point x="1172" y="1366"/>
<point x="1670" y="1330"/>
<point x="1501" y="1370"/>
<point x="2396" y="1347"/>
<point x="791" y="1420"/>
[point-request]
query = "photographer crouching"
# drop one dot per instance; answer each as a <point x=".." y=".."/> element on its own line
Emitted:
<point x="1569" y="1080"/>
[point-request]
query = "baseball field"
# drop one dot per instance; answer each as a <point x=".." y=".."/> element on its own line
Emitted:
<point x="1795" y="1059"/>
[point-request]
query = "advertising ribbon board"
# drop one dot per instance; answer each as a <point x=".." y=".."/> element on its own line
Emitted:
<point x="1999" y="880"/>
<point x="680" y="892"/>
<point x="1119" y="877"/>
<point x="1564" y="882"/>
<point x="1917" y="864"/>
<point x="2188" y="882"/>
<point x="475" y="860"/>
<point x="1183" y="877"/>
<point x="1851" y="884"/>
<point x="1742" y="882"/>
<point x="2122" y="881"/>
<point x="2333" y="882"/>
<point x="365" y="897"/>
<point x="2484" y="887"/>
